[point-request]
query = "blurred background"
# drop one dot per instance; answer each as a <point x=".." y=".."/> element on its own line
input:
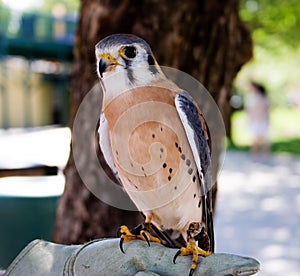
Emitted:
<point x="275" y="26"/>
<point x="258" y="204"/>
<point x="36" y="52"/>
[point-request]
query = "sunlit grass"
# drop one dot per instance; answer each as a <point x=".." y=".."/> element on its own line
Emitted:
<point x="284" y="130"/>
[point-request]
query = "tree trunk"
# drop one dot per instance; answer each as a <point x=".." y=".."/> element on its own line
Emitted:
<point x="203" y="38"/>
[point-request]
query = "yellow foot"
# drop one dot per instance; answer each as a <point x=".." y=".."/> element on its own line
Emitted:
<point x="195" y="251"/>
<point x="192" y="249"/>
<point x="138" y="233"/>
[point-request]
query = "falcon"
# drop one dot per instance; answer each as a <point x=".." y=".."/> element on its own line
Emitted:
<point x="156" y="142"/>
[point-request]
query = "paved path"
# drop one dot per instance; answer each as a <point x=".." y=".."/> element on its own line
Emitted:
<point x="258" y="211"/>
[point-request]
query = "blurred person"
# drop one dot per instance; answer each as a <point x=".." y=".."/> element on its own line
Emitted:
<point x="257" y="107"/>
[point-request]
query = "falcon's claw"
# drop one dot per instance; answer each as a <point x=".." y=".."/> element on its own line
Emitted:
<point x="127" y="235"/>
<point x="143" y="233"/>
<point x="191" y="249"/>
<point x="121" y="245"/>
<point x="176" y="255"/>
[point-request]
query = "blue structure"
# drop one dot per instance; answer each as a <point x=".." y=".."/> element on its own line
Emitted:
<point x="36" y="36"/>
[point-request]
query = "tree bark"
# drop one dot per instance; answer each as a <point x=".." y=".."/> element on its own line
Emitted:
<point x="205" y="39"/>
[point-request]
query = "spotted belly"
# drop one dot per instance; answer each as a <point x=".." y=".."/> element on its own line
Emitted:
<point x="153" y="156"/>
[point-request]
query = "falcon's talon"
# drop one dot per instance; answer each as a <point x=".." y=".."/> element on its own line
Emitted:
<point x="143" y="233"/>
<point x="195" y="251"/>
<point x="191" y="272"/>
<point x="127" y="235"/>
<point x="192" y="247"/>
<point x="176" y="255"/>
<point x="121" y="245"/>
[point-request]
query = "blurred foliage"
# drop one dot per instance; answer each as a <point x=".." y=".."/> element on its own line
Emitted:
<point x="4" y="17"/>
<point x="275" y="23"/>
<point x="275" y="27"/>
<point x="71" y="6"/>
<point x="41" y="6"/>
<point x="287" y="146"/>
<point x="290" y="146"/>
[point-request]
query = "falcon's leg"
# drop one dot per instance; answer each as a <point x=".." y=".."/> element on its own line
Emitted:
<point x="192" y="247"/>
<point x="141" y="232"/>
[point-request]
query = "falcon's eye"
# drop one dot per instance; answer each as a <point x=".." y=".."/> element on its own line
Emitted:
<point x="129" y="51"/>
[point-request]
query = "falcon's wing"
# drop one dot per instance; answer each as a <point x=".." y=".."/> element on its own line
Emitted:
<point x="104" y="143"/>
<point x="195" y="130"/>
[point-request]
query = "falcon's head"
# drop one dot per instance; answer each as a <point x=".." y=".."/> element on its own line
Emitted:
<point x="128" y="54"/>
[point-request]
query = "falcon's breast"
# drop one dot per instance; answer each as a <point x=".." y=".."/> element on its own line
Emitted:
<point x="150" y="148"/>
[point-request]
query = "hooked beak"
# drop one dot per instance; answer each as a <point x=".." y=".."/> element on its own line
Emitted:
<point x="102" y="65"/>
<point x="106" y="61"/>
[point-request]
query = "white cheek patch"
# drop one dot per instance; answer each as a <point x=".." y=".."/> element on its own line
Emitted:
<point x="143" y="76"/>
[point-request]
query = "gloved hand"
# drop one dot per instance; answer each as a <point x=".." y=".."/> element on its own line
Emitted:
<point x="104" y="257"/>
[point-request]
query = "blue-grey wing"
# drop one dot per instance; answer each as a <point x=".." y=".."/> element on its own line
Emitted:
<point x="195" y="131"/>
<point x="189" y="116"/>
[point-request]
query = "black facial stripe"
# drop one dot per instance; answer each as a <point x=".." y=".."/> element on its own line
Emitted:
<point x="151" y="63"/>
<point x="150" y="60"/>
<point x="129" y="70"/>
<point x="130" y="75"/>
